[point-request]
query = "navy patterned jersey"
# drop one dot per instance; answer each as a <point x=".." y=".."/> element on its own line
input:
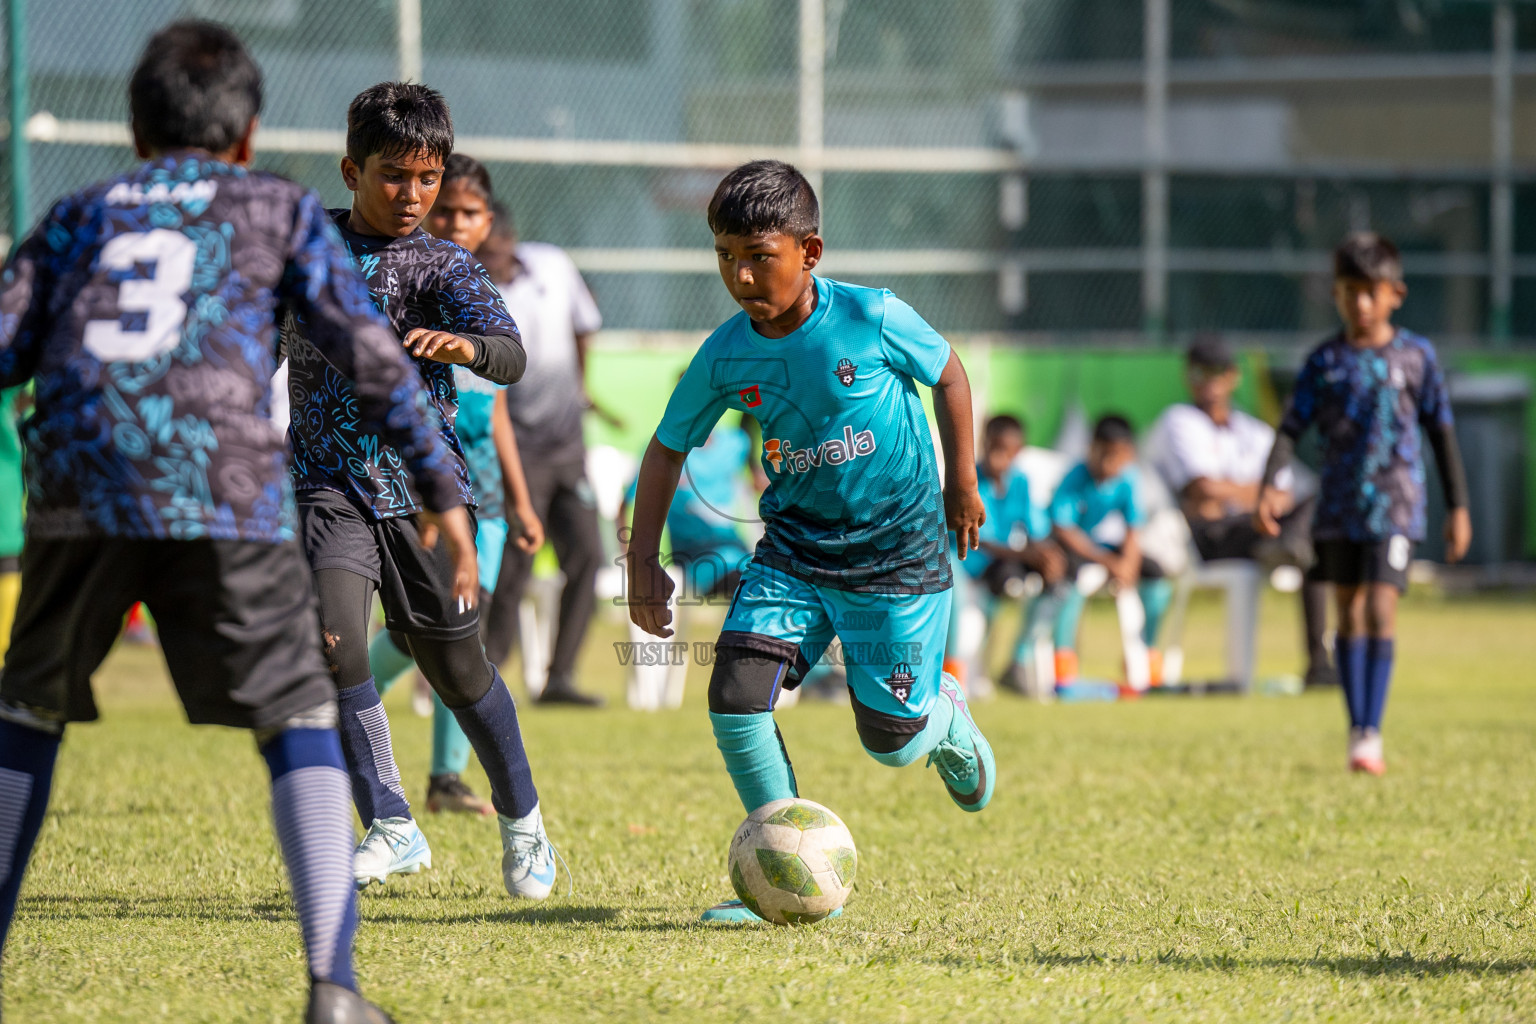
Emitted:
<point x="1368" y="404"/>
<point x="416" y="281"/>
<point x="145" y="309"/>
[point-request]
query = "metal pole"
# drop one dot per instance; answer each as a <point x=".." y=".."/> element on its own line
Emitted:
<point x="21" y="101"/>
<point x="1501" y="213"/>
<point x="408" y="40"/>
<point x="813" y="67"/>
<point x="1154" y="181"/>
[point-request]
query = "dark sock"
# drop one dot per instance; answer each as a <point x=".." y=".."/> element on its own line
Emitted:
<point x="309" y="806"/>
<point x="1349" y="662"/>
<point x="370" y="759"/>
<point x="491" y="725"/>
<point x="1378" y="678"/>
<point x="26" y="775"/>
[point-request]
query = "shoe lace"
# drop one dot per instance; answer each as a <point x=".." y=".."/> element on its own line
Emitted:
<point x="954" y="762"/>
<point x="392" y="835"/>
<point x="529" y="844"/>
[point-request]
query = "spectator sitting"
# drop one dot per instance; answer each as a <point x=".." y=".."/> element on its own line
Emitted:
<point x="1095" y="516"/>
<point x="1212" y="458"/>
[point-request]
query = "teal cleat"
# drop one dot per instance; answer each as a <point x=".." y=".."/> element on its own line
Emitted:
<point x="964" y="757"/>
<point x="736" y="912"/>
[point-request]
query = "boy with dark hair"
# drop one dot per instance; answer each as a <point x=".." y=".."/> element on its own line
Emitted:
<point x="854" y="543"/>
<point x="355" y="506"/>
<point x="144" y="308"/>
<point x="1015" y="541"/>
<point x="1370" y="389"/>
<point x="1095" y="515"/>
<point x="464" y="214"/>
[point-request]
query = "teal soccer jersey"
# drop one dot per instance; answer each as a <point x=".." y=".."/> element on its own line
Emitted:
<point x="1105" y="511"/>
<point x="1010" y="512"/>
<point x="853" y="500"/>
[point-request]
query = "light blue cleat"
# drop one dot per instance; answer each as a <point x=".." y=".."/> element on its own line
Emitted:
<point x="964" y="757"/>
<point x="736" y="912"/>
<point x="527" y="856"/>
<point x="393" y="846"/>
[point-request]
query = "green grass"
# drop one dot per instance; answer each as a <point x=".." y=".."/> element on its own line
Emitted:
<point x="1161" y="860"/>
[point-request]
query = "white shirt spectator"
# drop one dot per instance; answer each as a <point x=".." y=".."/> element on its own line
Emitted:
<point x="551" y="305"/>
<point x="1186" y="445"/>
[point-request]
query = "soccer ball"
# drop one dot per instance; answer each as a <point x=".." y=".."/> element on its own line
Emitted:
<point x="792" y="862"/>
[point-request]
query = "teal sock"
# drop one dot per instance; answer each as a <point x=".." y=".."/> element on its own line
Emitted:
<point x="1069" y="613"/>
<point x="1041" y="614"/>
<point x="754" y="755"/>
<point x="387" y="661"/>
<point x="450" y="747"/>
<point x="918" y="746"/>
<point x="1156" y="596"/>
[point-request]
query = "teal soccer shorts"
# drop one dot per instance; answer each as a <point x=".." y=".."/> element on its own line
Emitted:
<point x="893" y="644"/>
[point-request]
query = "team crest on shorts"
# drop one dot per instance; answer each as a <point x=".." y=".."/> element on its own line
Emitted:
<point x="845" y="371"/>
<point x="900" y="681"/>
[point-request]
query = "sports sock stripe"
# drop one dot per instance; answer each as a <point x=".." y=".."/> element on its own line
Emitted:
<point x="312" y="809"/>
<point x="376" y="724"/>
<point x="15" y="793"/>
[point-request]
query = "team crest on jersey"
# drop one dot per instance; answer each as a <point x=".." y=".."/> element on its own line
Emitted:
<point x="845" y="371"/>
<point x="750" y="397"/>
<point x="833" y="451"/>
<point x="391" y="282"/>
<point x="900" y="681"/>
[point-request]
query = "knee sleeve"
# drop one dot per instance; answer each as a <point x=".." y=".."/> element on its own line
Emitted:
<point x="457" y="669"/>
<point x="889" y="738"/>
<point x="345" y="600"/>
<point x="745" y="682"/>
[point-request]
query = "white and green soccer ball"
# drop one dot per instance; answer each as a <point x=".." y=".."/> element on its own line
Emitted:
<point x="792" y="862"/>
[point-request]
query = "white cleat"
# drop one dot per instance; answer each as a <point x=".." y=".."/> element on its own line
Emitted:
<point x="527" y="857"/>
<point x="393" y="846"/>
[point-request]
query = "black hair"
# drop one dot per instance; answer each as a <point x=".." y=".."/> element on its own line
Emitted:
<point x="1003" y="422"/>
<point x="1367" y="256"/>
<point x="1210" y="352"/>
<point x="195" y="87"/>
<point x="1114" y="429"/>
<point x="398" y="119"/>
<point x="763" y="197"/>
<point x="502" y="226"/>
<point x="465" y="168"/>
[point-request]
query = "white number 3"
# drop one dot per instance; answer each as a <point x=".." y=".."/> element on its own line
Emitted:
<point x="158" y="297"/>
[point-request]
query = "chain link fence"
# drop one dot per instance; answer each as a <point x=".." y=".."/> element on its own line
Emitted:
<point x="1121" y="171"/>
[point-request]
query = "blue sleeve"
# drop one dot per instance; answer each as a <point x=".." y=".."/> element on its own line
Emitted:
<point x="1131" y="504"/>
<point x="322" y="285"/>
<point x="1064" y="501"/>
<point x="24" y="293"/>
<point x="694" y="408"/>
<point x="1301" y="410"/>
<point x="1434" y="398"/>
<point x="468" y="300"/>
<point x="910" y="345"/>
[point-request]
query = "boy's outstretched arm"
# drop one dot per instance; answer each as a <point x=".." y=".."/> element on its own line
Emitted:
<point x="514" y="484"/>
<point x="649" y="585"/>
<point x="963" y="511"/>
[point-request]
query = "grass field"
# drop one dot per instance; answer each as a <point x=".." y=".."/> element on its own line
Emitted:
<point x="1162" y="860"/>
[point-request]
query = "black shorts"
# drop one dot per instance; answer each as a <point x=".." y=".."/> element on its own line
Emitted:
<point x="1351" y="564"/>
<point x="415" y="584"/>
<point x="236" y="620"/>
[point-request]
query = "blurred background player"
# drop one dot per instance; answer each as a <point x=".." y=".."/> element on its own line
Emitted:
<point x="1211" y="456"/>
<point x="557" y="316"/>
<point x="13" y="500"/>
<point x="1014" y="541"/>
<point x="854" y="543"/>
<point x="127" y="320"/>
<point x="465" y="215"/>
<point x="1095" y="515"/>
<point x="1370" y="389"/>
<point x="355" y="506"/>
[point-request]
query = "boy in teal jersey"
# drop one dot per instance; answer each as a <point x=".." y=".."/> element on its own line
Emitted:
<point x="1096" y="514"/>
<point x="1015" y="540"/>
<point x="854" y="518"/>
